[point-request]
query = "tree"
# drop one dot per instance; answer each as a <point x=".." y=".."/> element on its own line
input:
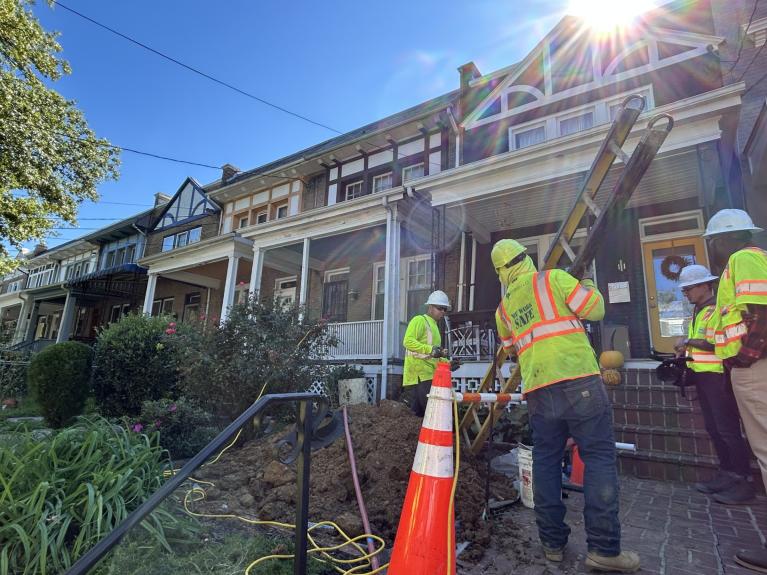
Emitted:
<point x="50" y="161"/>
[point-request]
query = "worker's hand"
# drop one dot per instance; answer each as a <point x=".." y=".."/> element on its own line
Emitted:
<point x="740" y="360"/>
<point x="455" y="364"/>
<point x="588" y="282"/>
<point x="437" y="352"/>
<point x="680" y="346"/>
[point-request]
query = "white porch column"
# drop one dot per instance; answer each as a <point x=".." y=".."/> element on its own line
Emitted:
<point x="256" y="271"/>
<point x="151" y="285"/>
<point x="67" y="317"/>
<point x="304" y="294"/>
<point x="391" y="296"/>
<point x="21" y="324"/>
<point x="32" y="325"/>
<point x="229" y="286"/>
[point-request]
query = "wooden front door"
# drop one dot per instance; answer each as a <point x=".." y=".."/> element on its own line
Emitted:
<point x="668" y="308"/>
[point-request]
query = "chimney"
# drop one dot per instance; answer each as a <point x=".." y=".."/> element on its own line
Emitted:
<point x="161" y="199"/>
<point x="39" y="248"/>
<point x="228" y="171"/>
<point x="468" y="72"/>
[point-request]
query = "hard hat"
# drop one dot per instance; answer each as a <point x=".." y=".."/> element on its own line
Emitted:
<point x="695" y="274"/>
<point x="438" y="298"/>
<point x="730" y="220"/>
<point x="504" y="251"/>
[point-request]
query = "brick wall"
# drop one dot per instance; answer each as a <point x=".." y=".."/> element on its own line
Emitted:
<point x="209" y="224"/>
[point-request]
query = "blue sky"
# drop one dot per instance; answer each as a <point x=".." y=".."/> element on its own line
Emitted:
<point x="343" y="64"/>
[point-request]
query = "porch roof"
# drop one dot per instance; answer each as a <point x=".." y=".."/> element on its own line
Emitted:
<point x="200" y="253"/>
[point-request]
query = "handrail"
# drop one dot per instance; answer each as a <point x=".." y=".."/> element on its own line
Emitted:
<point x="303" y="441"/>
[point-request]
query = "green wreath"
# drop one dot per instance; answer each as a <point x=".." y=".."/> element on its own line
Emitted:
<point x="672" y="266"/>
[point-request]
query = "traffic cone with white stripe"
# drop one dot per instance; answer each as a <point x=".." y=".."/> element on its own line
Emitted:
<point x="425" y="541"/>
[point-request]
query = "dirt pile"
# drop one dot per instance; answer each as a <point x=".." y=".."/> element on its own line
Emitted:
<point x="251" y="481"/>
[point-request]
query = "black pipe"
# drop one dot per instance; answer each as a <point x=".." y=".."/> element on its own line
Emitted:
<point x="92" y="557"/>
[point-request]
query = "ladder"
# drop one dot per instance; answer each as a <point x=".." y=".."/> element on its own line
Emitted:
<point x="473" y="427"/>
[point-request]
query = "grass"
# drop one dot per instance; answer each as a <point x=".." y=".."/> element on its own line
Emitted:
<point x="27" y="407"/>
<point x="229" y="555"/>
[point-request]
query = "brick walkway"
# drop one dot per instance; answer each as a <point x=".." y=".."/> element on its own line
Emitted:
<point x="675" y="530"/>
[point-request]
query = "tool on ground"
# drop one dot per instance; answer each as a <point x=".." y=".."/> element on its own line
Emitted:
<point x="474" y="429"/>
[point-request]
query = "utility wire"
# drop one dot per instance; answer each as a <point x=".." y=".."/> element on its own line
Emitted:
<point x="753" y="59"/>
<point x="743" y="40"/>
<point x="196" y="71"/>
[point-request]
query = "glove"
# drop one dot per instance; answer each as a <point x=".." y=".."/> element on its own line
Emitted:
<point x="588" y="283"/>
<point x="455" y="364"/>
<point x="436" y="352"/>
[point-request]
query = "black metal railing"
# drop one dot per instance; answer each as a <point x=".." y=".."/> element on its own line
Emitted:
<point x="303" y="447"/>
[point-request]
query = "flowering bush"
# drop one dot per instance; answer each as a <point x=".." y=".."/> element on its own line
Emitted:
<point x="184" y="428"/>
<point x="136" y="361"/>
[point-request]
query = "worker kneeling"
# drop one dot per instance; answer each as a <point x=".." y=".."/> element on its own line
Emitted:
<point x="539" y="321"/>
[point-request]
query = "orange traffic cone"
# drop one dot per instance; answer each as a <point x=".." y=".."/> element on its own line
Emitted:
<point x="576" y="472"/>
<point x="421" y="546"/>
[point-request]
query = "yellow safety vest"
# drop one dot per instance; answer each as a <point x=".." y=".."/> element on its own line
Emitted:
<point x="539" y="317"/>
<point x="421" y="336"/>
<point x="702" y="326"/>
<point x="743" y="281"/>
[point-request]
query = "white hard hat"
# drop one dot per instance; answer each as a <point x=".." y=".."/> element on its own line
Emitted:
<point x="730" y="220"/>
<point x="438" y="298"/>
<point x="695" y="274"/>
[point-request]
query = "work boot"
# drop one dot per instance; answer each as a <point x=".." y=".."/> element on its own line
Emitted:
<point x="740" y="493"/>
<point x="626" y="562"/>
<point x="722" y="481"/>
<point x="556" y="554"/>
<point x="754" y="559"/>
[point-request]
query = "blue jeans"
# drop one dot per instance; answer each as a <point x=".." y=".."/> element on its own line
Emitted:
<point x="577" y="408"/>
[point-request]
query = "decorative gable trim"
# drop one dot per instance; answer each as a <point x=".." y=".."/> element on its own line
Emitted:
<point x="189" y="203"/>
<point x="757" y="31"/>
<point x="489" y="110"/>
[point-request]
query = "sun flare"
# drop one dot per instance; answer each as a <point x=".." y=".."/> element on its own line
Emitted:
<point x="606" y="15"/>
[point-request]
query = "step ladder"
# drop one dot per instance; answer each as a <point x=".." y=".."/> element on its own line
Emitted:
<point x="475" y="426"/>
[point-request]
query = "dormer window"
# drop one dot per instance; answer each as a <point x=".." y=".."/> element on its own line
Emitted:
<point x="413" y="172"/>
<point x="282" y="211"/>
<point x="181" y="239"/>
<point x="574" y="124"/>
<point x="354" y="190"/>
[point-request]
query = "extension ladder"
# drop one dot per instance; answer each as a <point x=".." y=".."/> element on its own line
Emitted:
<point x="472" y="427"/>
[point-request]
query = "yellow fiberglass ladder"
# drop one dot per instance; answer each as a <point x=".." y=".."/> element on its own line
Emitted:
<point x="473" y="428"/>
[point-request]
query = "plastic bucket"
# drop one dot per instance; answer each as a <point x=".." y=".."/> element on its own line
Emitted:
<point x="526" y="476"/>
<point x="352" y="391"/>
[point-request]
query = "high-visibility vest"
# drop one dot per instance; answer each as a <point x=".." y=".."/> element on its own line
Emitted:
<point x="702" y="326"/>
<point x="539" y="317"/>
<point x="743" y="281"/>
<point x="421" y="336"/>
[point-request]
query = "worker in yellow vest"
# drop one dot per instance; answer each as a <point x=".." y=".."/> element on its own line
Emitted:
<point x="423" y="350"/>
<point x="720" y="412"/>
<point x="741" y="333"/>
<point x="539" y="321"/>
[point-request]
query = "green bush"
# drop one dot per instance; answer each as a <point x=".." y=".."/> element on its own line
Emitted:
<point x="61" y="494"/>
<point x="134" y="364"/>
<point x="184" y="428"/>
<point x="13" y="374"/>
<point x="59" y="379"/>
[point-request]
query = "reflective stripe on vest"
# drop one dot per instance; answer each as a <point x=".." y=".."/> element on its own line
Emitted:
<point x="751" y="287"/>
<point x="578" y="299"/>
<point x="543" y="296"/>
<point x="699" y="356"/>
<point x="429" y="341"/>
<point x="701" y="327"/>
<point x="546" y="329"/>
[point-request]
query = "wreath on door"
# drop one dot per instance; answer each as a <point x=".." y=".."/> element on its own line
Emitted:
<point x="672" y="266"/>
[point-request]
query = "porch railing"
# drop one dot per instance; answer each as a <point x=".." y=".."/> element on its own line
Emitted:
<point x="357" y="339"/>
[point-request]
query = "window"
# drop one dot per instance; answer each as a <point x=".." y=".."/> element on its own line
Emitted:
<point x="418" y="284"/>
<point x="576" y="124"/>
<point x="191" y="306"/>
<point x="262" y="217"/>
<point x="130" y="254"/>
<point x="379" y="282"/>
<point x="354" y="190"/>
<point x="382" y="182"/>
<point x="529" y="137"/>
<point x="243" y="221"/>
<point x="412" y="172"/>
<point x="115" y="313"/>
<point x="194" y="235"/>
<point x="615" y="105"/>
<point x="282" y="211"/>
<point x="182" y="238"/>
<point x="162" y="306"/>
<point x="167" y="244"/>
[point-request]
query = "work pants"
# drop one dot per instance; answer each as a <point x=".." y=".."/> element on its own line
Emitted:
<point x="720" y="414"/>
<point x="577" y="408"/>
<point x="749" y="384"/>
<point x="416" y="396"/>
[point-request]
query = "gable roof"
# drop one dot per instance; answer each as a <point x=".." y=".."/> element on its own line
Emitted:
<point x="199" y="205"/>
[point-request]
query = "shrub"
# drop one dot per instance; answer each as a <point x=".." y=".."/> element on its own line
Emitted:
<point x="262" y="343"/>
<point x="133" y="364"/>
<point x="13" y="374"/>
<point x="59" y="378"/>
<point x="68" y="490"/>
<point x="184" y="428"/>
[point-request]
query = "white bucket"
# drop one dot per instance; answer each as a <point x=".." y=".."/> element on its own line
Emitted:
<point x="352" y="391"/>
<point x="526" y="476"/>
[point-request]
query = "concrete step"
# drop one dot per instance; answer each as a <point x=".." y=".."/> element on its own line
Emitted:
<point x="652" y="464"/>
<point x="673" y="440"/>
<point x="666" y="416"/>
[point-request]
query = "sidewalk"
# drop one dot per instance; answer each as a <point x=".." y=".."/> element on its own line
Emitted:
<point x="675" y="530"/>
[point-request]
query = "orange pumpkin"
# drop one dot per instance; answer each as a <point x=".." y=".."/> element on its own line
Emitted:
<point x="611" y="377"/>
<point x="611" y="359"/>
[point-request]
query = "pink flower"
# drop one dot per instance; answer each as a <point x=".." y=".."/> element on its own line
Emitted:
<point x="172" y="407"/>
<point x="240" y="283"/>
<point x="137" y="427"/>
<point x="170" y="331"/>
<point x="172" y="324"/>
<point x="157" y="422"/>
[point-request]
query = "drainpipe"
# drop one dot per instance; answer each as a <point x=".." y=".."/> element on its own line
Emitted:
<point x="387" y="300"/>
<point x="207" y="306"/>
<point x="461" y="272"/>
<point x="457" y="132"/>
<point x="473" y="271"/>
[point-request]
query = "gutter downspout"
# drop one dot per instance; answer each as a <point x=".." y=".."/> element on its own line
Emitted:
<point x="457" y="132"/>
<point x="387" y="301"/>
<point x="461" y="272"/>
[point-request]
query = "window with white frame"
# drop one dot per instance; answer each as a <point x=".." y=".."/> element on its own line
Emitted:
<point x="382" y="182"/>
<point x="574" y="124"/>
<point x="162" y="306"/>
<point x="354" y="190"/>
<point x="181" y="239"/>
<point x="167" y="244"/>
<point x="418" y="283"/>
<point x="413" y="172"/>
<point x="282" y="211"/>
<point x="42" y="275"/>
<point x="379" y="284"/>
<point x="529" y="137"/>
<point x="262" y="217"/>
<point x="243" y="221"/>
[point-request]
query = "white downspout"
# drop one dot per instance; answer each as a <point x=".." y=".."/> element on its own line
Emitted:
<point x="473" y="271"/>
<point x="461" y="274"/>
<point x="387" y="300"/>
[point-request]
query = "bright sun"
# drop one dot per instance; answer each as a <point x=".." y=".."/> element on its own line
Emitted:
<point x="605" y="15"/>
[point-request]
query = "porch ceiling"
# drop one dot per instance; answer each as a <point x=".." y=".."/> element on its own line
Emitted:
<point x="672" y="176"/>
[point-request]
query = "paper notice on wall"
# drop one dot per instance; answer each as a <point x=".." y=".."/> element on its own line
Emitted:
<point x="618" y="292"/>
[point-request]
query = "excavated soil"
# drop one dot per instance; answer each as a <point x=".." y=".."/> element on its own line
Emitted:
<point x="251" y="481"/>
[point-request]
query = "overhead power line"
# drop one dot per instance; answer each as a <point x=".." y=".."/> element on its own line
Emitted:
<point x="743" y="39"/>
